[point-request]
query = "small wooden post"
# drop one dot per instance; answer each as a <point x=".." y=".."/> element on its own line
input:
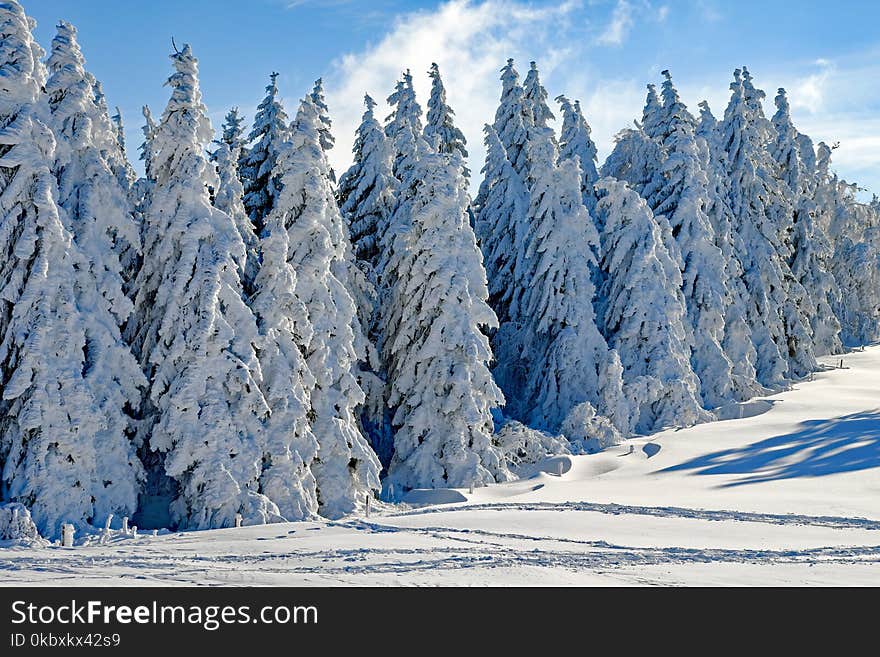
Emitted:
<point x="134" y="531"/>
<point x="66" y="535"/>
<point x="238" y="520"/>
<point x="471" y="487"/>
<point x="124" y="524"/>
<point x="367" y="505"/>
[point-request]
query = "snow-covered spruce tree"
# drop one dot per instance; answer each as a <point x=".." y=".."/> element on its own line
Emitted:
<point x="513" y="119"/>
<point x="737" y="342"/>
<point x="535" y="96"/>
<point x="227" y="197"/>
<point x="98" y="215"/>
<point x="811" y="251"/>
<point x="125" y="172"/>
<point x="366" y="198"/>
<point x="346" y="468"/>
<point x="89" y="166"/>
<point x="327" y="139"/>
<point x="290" y="447"/>
<point x="366" y="190"/>
<point x="761" y="211"/>
<point x="192" y="331"/>
<point x="232" y="131"/>
<point x="441" y="120"/>
<point x="64" y="451"/>
<point x="501" y="228"/>
<point x="576" y="141"/>
<point x="644" y="312"/>
<point x="635" y="159"/>
<point x="683" y="197"/>
<point x="653" y="114"/>
<point x="566" y="359"/>
<point x="854" y="230"/>
<point x="257" y="164"/>
<point x="404" y="126"/>
<point x="146" y="148"/>
<point x="441" y="389"/>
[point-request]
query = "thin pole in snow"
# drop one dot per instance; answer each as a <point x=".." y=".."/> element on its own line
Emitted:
<point x="125" y="524"/>
<point x="67" y="535"/>
<point x="367" y="505"/>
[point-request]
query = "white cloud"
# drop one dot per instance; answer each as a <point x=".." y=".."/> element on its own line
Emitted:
<point x="619" y="26"/>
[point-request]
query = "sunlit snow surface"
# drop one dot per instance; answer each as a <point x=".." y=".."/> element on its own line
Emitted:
<point x="788" y="496"/>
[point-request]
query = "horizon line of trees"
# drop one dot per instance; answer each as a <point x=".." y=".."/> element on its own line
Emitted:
<point x="242" y="331"/>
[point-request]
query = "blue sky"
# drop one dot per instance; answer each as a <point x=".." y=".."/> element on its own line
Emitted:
<point x="601" y="51"/>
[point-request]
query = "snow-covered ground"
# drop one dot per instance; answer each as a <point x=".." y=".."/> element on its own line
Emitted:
<point x="790" y="494"/>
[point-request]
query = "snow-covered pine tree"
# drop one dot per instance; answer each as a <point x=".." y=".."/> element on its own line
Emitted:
<point x="89" y="166"/>
<point x="404" y="126"/>
<point x="366" y="190"/>
<point x="683" y="197"/>
<point x="513" y="119"/>
<point x="125" y="173"/>
<point x="737" y="342"/>
<point x="257" y="164"/>
<point x="644" y="312"/>
<point x="535" y="96"/>
<point x="232" y="131"/>
<point x="97" y="212"/>
<point x="576" y="141"/>
<point x="441" y="389"/>
<point x="565" y="357"/>
<point x="228" y="197"/>
<point x="346" y="468"/>
<point x="366" y="198"/>
<point x="652" y="114"/>
<point x="327" y="139"/>
<point x="441" y="120"/>
<point x="192" y="331"/>
<point x="854" y="231"/>
<point x="811" y="251"/>
<point x="501" y="228"/>
<point x="64" y="451"/>
<point x="146" y="148"/>
<point x="285" y="332"/>
<point x="760" y="207"/>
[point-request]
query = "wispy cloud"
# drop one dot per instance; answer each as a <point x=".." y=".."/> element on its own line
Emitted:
<point x="619" y="26"/>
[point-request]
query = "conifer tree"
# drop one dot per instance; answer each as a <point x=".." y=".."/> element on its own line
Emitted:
<point x="257" y="164"/>
<point x="64" y="451"/>
<point x="327" y="139"/>
<point x="576" y="141"/>
<point x="404" y="126"/>
<point x="535" y="96"/>
<point x="683" y="197"/>
<point x="644" y="312"/>
<point x="441" y="120"/>
<point x="192" y="331"/>
<point x="346" y="469"/>
<point x="441" y="390"/>
<point x="566" y="357"/>
<point x="761" y="212"/>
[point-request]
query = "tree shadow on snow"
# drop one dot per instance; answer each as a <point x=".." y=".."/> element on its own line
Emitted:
<point x="819" y="448"/>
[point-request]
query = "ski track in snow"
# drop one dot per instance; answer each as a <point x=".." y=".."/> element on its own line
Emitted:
<point x="834" y="522"/>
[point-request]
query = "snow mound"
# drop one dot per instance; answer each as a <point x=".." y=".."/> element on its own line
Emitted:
<point x="741" y="410"/>
<point x="429" y="496"/>
<point x="554" y="465"/>
<point x="17" y="527"/>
